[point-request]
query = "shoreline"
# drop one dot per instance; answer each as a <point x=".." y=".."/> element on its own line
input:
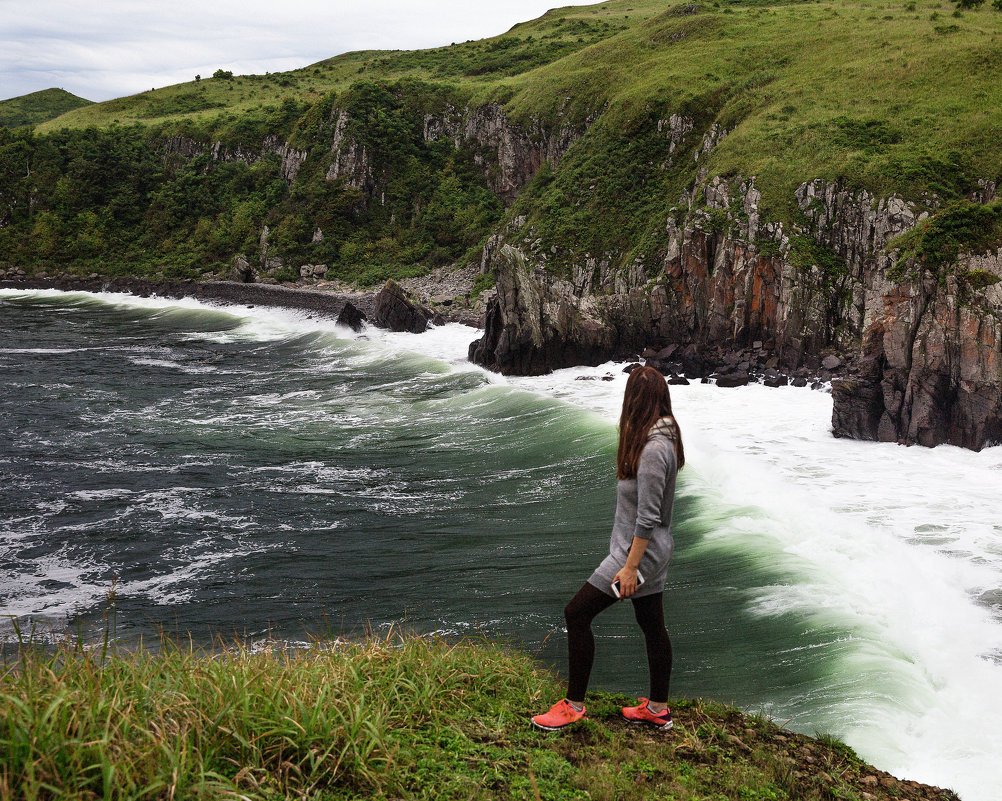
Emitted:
<point x="328" y="303"/>
<point x="724" y="365"/>
<point x="451" y="305"/>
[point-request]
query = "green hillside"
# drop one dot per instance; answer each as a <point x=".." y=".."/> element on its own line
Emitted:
<point x="893" y="97"/>
<point x="38" y="107"/>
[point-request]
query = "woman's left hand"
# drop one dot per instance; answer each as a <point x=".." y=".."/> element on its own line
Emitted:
<point x="627" y="578"/>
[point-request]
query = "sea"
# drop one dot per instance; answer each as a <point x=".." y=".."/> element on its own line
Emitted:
<point x="222" y="473"/>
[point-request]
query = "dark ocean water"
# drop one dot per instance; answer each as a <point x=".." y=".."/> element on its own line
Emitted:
<point x="222" y="482"/>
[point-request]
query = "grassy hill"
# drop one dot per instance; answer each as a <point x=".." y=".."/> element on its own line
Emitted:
<point x="38" y="107"/>
<point x="894" y="96"/>
<point x="812" y="83"/>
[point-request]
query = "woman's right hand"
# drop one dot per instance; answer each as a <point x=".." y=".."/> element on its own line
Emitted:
<point x="627" y="578"/>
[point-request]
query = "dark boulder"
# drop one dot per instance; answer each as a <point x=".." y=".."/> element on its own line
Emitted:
<point x="666" y="353"/>
<point x="693" y="363"/>
<point x="351" y="317"/>
<point x="738" y="379"/>
<point x="242" y="271"/>
<point x="394" y="310"/>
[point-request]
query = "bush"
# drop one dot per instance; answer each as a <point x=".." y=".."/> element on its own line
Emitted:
<point x="936" y="243"/>
<point x="483" y="282"/>
<point x="980" y="279"/>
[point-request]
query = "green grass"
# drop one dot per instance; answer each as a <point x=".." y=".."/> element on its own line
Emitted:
<point x="38" y="107"/>
<point x="891" y="97"/>
<point x="935" y="243"/>
<point x="393" y="718"/>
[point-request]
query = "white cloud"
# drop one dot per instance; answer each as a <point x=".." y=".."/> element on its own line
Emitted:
<point x="115" y="47"/>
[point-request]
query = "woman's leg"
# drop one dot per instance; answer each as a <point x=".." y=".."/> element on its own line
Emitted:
<point x="579" y="614"/>
<point x="651" y="617"/>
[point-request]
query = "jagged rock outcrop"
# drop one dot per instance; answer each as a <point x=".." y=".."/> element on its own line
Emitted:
<point x="350" y="160"/>
<point x="518" y="151"/>
<point x="394" y="310"/>
<point x="242" y="271"/>
<point x="932" y="369"/>
<point x="351" y="317"/>
<point x="536" y="322"/>
<point x="182" y="146"/>
<point x="711" y="286"/>
<point x="291" y="158"/>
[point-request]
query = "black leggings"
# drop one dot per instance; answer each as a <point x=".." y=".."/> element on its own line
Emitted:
<point x="579" y="614"/>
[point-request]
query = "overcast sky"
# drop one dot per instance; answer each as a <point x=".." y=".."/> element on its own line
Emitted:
<point x="110" y="48"/>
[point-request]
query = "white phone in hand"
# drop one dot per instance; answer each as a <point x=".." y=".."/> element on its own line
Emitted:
<point x="615" y="584"/>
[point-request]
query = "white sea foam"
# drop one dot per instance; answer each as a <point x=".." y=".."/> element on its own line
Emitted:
<point x="172" y="365"/>
<point x="56" y="586"/>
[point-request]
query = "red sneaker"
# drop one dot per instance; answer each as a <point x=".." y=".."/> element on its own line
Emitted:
<point x="561" y="714"/>
<point x="642" y="714"/>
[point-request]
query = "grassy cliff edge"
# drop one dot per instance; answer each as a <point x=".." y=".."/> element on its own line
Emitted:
<point x="393" y="718"/>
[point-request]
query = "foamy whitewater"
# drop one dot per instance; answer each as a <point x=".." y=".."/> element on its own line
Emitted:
<point x="891" y="556"/>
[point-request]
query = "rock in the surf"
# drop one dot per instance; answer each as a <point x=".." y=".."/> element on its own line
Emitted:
<point x="351" y="317"/>
<point x="394" y="310"/>
<point x="737" y="379"/>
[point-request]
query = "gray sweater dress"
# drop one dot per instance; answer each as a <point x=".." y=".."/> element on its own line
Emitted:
<point x="643" y="509"/>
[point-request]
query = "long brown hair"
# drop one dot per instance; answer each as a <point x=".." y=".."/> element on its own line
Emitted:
<point x="645" y="401"/>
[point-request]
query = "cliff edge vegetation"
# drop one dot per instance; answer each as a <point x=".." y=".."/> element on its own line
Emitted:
<point x="409" y="718"/>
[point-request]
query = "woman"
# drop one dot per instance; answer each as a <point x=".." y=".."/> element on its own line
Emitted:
<point x="649" y="457"/>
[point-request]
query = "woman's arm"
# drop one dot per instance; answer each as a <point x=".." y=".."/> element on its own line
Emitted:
<point x="657" y="460"/>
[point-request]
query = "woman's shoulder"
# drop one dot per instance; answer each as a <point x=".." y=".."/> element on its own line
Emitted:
<point x="664" y="427"/>
<point x="657" y="447"/>
<point x="660" y="445"/>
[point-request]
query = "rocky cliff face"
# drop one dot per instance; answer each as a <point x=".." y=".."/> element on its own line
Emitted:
<point x="291" y="158"/>
<point x="931" y="352"/>
<point x="717" y="282"/>
<point x="510" y="154"/>
<point x="930" y="349"/>
<point x="349" y="159"/>
<point x="932" y="369"/>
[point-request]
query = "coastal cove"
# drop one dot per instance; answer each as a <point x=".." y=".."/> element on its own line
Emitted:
<point x="224" y="464"/>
